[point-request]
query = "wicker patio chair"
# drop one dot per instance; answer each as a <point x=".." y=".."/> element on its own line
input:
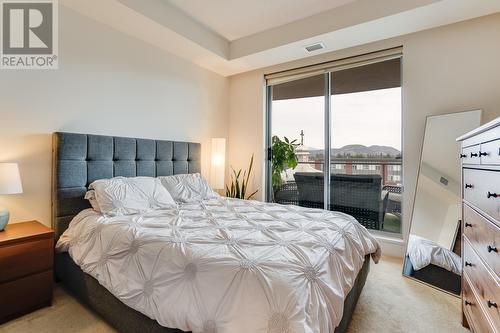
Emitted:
<point x="310" y="189"/>
<point x="361" y="197"/>
<point x="394" y="201"/>
<point x="356" y="195"/>
<point x="286" y="194"/>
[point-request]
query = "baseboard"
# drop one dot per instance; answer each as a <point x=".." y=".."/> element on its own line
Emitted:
<point x="394" y="247"/>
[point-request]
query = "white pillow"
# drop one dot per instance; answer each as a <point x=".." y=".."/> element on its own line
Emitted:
<point x="125" y="196"/>
<point x="188" y="187"/>
<point x="90" y="196"/>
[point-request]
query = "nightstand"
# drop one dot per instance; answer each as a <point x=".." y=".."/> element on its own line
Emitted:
<point x="26" y="263"/>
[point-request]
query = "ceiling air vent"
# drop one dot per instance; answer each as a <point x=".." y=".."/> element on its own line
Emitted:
<point x="314" y="47"/>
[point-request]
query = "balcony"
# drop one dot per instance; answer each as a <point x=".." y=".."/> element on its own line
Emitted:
<point x="367" y="188"/>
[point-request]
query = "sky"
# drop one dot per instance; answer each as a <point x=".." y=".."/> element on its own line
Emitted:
<point x="366" y="118"/>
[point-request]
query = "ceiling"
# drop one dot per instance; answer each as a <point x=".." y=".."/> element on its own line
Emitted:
<point x="234" y="19"/>
<point x="235" y="36"/>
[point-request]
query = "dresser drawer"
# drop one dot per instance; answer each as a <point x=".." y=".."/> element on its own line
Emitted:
<point x="470" y="155"/>
<point x="21" y="259"/>
<point x="490" y="153"/>
<point x="484" y="237"/>
<point x="472" y="309"/>
<point x="486" y="285"/>
<point x="25" y="294"/>
<point x="482" y="189"/>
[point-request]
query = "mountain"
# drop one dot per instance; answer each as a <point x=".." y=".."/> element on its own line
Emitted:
<point x="361" y="151"/>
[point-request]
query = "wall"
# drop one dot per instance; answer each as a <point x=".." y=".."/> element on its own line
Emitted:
<point x="447" y="69"/>
<point x="107" y="83"/>
<point x="450" y="226"/>
<point x="430" y="210"/>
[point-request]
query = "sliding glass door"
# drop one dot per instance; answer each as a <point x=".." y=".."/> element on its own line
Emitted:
<point x="335" y="142"/>
<point x="298" y="141"/>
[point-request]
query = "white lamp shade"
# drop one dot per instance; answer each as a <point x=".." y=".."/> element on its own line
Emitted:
<point x="218" y="165"/>
<point x="10" y="180"/>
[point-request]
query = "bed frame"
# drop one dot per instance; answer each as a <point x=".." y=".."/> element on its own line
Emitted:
<point x="78" y="160"/>
<point x="434" y="276"/>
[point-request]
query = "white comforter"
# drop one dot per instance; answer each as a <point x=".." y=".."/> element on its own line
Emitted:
<point x="226" y="265"/>
<point x="423" y="252"/>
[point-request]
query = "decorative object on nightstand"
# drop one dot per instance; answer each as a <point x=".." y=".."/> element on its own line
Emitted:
<point x="26" y="268"/>
<point x="10" y="183"/>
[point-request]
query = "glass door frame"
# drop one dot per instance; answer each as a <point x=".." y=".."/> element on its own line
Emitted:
<point x="327" y="135"/>
<point x="268" y="195"/>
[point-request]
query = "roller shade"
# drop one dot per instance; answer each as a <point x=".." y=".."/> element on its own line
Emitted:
<point x="381" y="71"/>
<point x="309" y="87"/>
<point x="380" y="75"/>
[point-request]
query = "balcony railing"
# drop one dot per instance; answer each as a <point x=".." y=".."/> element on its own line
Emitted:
<point x="388" y="168"/>
<point x="361" y="198"/>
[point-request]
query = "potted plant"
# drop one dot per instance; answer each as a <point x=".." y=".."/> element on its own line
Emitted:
<point x="238" y="187"/>
<point x="283" y="158"/>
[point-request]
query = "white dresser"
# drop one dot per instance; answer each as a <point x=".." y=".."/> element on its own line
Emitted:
<point x="480" y="157"/>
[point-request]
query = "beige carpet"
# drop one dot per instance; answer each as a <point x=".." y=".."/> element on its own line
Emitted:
<point x="388" y="303"/>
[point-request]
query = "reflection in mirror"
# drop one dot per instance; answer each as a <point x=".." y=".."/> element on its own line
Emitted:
<point x="434" y="245"/>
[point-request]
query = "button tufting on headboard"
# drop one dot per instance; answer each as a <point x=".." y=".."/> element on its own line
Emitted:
<point x="79" y="159"/>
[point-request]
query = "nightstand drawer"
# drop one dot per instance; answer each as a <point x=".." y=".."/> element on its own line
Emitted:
<point x="24" y="295"/>
<point x="21" y="259"/>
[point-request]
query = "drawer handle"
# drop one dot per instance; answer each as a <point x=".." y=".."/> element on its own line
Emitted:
<point x="492" y="249"/>
<point x="468" y="225"/>
<point x="473" y="154"/>
<point x="468" y="264"/>
<point x="494" y="195"/>
<point x="492" y="304"/>
<point x="483" y="153"/>
<point x="463" y="155"/>
<point x="468" y="302"/>
<point x="468" y="185"/>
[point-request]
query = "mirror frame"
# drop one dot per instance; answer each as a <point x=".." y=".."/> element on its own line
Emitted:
<point x="407" y="236"/>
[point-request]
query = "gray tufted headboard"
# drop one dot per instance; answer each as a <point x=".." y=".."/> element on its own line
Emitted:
<point x="79" y="159"/>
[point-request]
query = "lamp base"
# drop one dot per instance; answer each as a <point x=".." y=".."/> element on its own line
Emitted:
<point x="4" y="218"/>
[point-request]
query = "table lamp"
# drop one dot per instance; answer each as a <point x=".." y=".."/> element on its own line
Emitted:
<point x="10" y="183"/>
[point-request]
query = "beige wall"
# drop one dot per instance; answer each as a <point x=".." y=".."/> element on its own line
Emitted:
<point x="107" y="83"/>
<point x="447" y="69"/>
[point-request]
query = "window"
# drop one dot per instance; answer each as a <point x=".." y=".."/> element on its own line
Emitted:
<point x="345" y="122"/>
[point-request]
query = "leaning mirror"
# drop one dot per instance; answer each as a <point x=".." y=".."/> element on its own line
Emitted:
<point x="434" y="244"/>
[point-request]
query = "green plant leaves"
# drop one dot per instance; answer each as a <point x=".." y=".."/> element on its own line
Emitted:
<point x="283" y="157"/>
<point x="238" y="187"/>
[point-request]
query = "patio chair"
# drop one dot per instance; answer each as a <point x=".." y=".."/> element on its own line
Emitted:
<point x="310" y="187"/>
<point x="357" y="195"/>
<point x="360" y="196"/>
<point x="286" y="194"/>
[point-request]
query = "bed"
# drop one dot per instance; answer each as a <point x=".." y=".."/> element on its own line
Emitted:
<point x="429" y="262"/>
<point x="79" y="159"/>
